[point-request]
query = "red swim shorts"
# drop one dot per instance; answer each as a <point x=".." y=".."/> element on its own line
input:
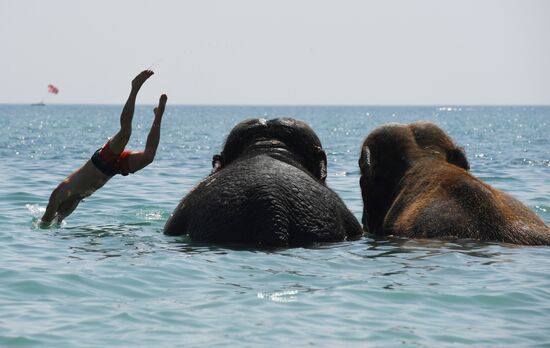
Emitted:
<point x="109" y="163"/>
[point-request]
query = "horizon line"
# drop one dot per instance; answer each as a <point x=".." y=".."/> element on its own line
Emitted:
<point x="296" y="105"/>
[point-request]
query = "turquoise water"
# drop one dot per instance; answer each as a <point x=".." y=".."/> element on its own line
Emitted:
<point x="109" y="277"/>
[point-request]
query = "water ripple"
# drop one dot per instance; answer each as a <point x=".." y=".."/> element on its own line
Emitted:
<point x="109" y="277"/>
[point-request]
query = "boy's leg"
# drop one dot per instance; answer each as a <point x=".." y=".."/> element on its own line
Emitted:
<point x="140" y="160"/>
<point x="119" y="141"/>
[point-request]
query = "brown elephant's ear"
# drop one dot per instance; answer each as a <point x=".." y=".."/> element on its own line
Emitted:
<point x="457" y="157"/>
<point x="217" y="163"/>
<point x="365" y="161"/>
<point x="322" y="160"/>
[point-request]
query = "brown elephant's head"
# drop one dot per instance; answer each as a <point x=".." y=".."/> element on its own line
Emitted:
<point x="287" y="138"/>
<point x="389" y="152"/>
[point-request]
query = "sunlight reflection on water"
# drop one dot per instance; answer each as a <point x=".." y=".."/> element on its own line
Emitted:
<point x="109" y="276"/>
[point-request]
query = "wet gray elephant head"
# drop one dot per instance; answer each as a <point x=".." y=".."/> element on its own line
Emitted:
<point x="279" y="136"/>
<point x="267" y="187"/>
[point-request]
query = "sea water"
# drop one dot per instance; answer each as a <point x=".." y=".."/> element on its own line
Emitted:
<point x="108" y="277"/>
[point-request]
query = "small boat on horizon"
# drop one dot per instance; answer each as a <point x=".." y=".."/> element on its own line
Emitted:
<point x="51" y="89"/>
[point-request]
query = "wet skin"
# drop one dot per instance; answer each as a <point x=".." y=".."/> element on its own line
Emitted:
<point x="416" y="183"/>
<point x="266" y="188"/>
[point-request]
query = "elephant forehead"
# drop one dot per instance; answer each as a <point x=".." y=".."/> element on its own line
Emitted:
<point x="390" y="135"/>
<point x="286" y="121"/>
<point x="285" y="129"/>
<point x="289" y="122"/>
<point x="421" y="133"/>
<point x="427" y="134"/>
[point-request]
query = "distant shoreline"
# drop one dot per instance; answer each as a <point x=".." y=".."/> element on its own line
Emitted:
<point x="294" y="105"/>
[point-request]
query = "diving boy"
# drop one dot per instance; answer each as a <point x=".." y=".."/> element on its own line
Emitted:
<point x="108" y="160"/>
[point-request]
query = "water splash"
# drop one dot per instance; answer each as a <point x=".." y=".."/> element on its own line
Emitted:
<point x="36" y="210"/>
<point x="150" y="215"/>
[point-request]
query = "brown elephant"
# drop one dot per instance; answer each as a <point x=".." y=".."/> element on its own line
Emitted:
<point x="415" y="183"/>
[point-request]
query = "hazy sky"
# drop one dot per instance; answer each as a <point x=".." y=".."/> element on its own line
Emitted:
<point x="278" y="52"/>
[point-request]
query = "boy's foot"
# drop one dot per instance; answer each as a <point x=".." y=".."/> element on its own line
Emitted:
<point x="159" y="110"/>
<point x="141" y="78"/>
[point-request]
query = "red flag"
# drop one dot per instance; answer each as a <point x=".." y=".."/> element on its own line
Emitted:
<point x="53" y="89"/>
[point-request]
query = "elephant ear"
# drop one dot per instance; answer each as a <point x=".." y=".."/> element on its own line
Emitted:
<point x="217" y="163"/>
<point x="322" y="160"/>
<point x="457" y="157"/>
<point x="365" y="161"/>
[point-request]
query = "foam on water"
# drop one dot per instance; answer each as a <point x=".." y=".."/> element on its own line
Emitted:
<point x="36" y="210"/>
<point x="108" y="276"/>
